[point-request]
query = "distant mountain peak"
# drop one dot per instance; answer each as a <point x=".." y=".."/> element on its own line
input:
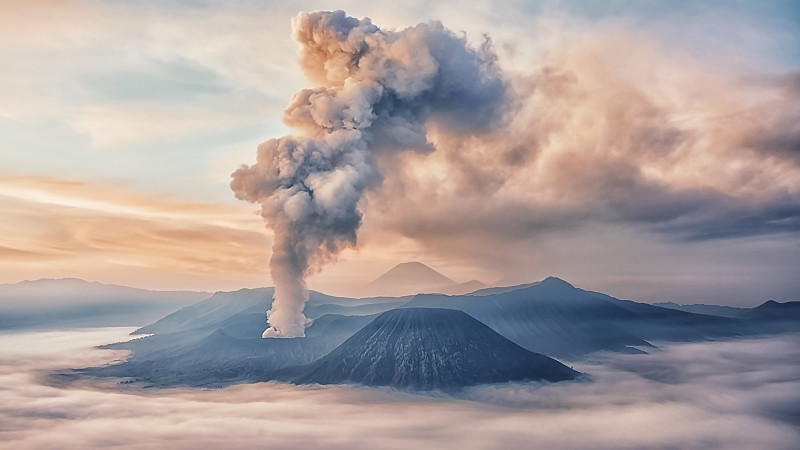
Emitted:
<point x="770" y="309"/>
<point x="413" y="264"/>
<point x="778" y="306"/>
<point x="42" y="281"/>
<point x="407" y="278"/>
<point x="555" y="281"/>
<point x="551" y="283"/>
<point x="415" y="269"/>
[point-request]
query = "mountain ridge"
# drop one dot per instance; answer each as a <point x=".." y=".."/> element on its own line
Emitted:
<point x="555" y="318"/>
<point x="73" y="302"/>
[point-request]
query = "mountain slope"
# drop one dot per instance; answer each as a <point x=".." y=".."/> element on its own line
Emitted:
<point x="656" y="323"/>
<point x="550" y="317"/>
<point x="211" y="311"/>
<point x="771" y="309"/>
<point x="406" y="278"/>
<point x="219" y="357"/>
<point x="711" y="310"/>
<point x="179" y="344"/>
<point x="462" y="288"/>
<point x="501" y="289"/>
<point x="226" y="306"/>
<point x="421" y="348"/>
<point x="72" y="302"/>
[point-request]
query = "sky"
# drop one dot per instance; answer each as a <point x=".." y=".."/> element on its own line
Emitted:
<point x="648" y="150"/>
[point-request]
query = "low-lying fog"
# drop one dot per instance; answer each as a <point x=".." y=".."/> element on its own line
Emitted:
<point x="732" y="394"/>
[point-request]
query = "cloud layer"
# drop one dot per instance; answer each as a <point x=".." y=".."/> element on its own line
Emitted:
<point x="612" y="127"/>
<point x="731" y="394"/>
<point x="78" y="228"/>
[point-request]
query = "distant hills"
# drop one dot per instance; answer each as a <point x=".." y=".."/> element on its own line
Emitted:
<point x="768" y="309"/>
<point x="413" y="277"/>
<point x="714" y="310"/>
<point x="70" y="302"/>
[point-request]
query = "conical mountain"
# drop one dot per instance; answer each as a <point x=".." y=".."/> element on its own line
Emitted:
<point x="407" y="279"/>
<point x="430" y="348"/>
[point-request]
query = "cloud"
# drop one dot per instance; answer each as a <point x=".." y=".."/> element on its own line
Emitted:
<point x="126" y="74"/>
<point x="78" y="227"/>
<point x="611" y="127"/>
<point x="643" y="136"/>
<point x="731" y="394"/>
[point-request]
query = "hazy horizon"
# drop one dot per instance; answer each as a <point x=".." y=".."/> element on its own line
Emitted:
<point x="33" y="295"/>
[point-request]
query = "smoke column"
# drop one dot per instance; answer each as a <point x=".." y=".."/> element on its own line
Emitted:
<point x="379" y="91"/>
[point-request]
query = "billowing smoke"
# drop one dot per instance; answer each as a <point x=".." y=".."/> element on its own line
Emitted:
<point x="379" y="93"/>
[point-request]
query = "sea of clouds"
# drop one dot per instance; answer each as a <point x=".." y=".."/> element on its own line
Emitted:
<point x="741" y="393"/>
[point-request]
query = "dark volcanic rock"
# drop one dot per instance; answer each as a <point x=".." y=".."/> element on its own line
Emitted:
<point x="429" y="348"/>
<point x="219" y="357"/>
<point x="550" y="317"/>
<point x="554" y="318"/>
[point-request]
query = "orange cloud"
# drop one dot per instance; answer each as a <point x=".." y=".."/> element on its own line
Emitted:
<point x="54" y="227"/>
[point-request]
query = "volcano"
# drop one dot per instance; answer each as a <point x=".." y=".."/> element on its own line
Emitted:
<point x="426" y="349"/>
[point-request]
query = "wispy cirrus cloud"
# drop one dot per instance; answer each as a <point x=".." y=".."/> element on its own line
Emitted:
<point x="73" y="227"/>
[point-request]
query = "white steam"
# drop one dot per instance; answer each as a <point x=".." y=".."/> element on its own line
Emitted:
<point x="380" y="90"/>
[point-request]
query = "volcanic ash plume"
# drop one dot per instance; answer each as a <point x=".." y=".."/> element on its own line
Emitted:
<point x="380" y="90"/>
